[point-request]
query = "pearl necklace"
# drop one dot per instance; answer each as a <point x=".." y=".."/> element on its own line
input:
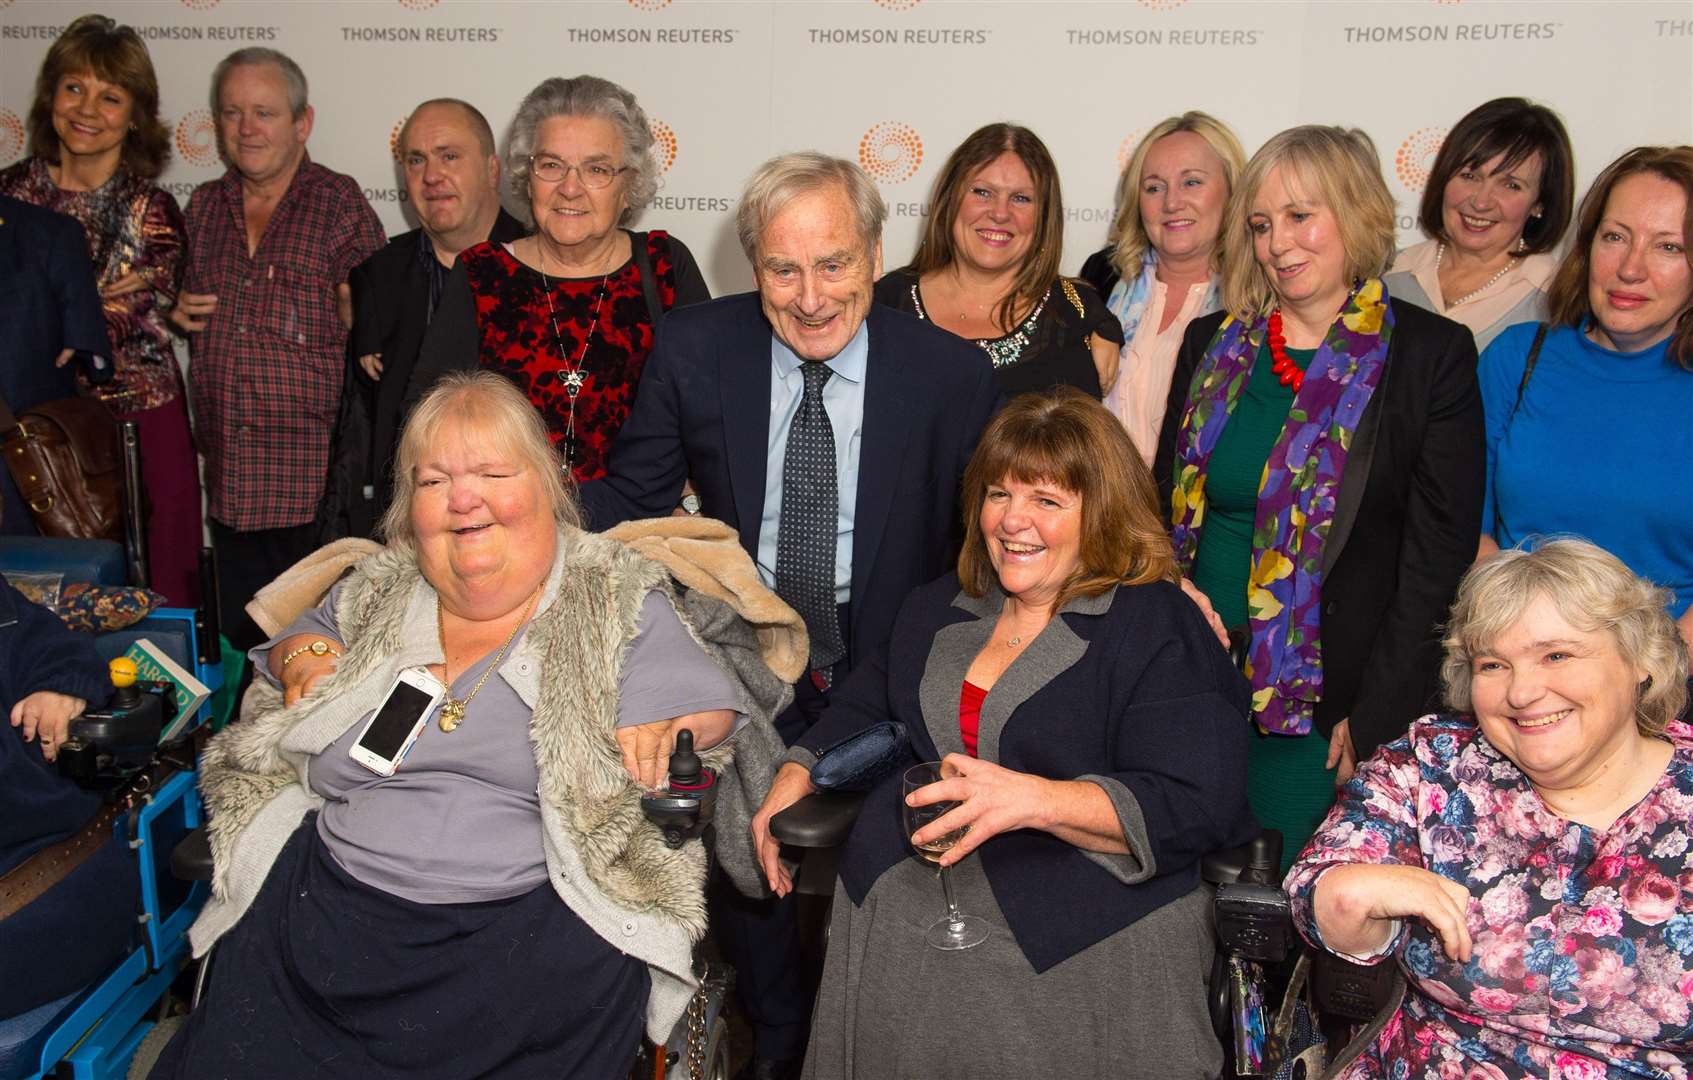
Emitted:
<point x="1510" y="264"/>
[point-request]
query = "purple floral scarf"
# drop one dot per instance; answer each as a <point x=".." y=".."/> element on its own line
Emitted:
<point x="1296" y="496"/>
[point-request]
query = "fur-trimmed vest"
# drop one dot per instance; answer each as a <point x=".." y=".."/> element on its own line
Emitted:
<point x="603" y="858"/>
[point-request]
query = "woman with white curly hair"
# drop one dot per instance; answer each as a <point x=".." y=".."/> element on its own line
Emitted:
<point x="569" y="312"/>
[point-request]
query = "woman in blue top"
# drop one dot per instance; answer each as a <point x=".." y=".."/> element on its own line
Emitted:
<point x="1595" y="437"/>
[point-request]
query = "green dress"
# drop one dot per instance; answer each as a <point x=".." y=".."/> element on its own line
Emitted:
<point x="1287" y="784"/>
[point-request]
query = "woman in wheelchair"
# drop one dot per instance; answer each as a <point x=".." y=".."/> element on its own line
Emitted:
<point x="1093" y="734"/>
<point x="495" y="905"/>
<point x="54" y="943"/>
<point x="1525" y="859"/>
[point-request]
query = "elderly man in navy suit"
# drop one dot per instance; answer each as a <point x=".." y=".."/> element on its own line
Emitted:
<point x="832" y="433"/>
<point x="49" y="311"/>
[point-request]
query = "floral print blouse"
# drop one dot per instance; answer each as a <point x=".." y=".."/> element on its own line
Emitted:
<point x="1582" y="965"/>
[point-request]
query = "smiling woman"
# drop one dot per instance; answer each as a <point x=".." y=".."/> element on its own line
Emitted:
<point x="987" y="268"/>
<point x="1523" y="862"/>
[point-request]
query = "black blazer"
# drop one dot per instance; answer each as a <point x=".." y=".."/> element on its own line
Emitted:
<point x="1128" y="689"/>
<point x="703" y="413"/>
<point x="1406" y="520"/>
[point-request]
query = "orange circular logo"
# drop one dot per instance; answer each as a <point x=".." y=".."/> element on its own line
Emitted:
<point x="898" y="5"/>
<point x="420" y="5"/>
<point x="11" y="136"/>
<point x="199" y="5"/>
<point x="197" y="139"/>
<point x="891" y="152"/>
<point x="394" y="139"/>
<point x="649" y="5"/>
<point x="1415" y="156"/>
<point x="664" y="136"/>
<point x="1163" y="5"/>
<point x="1126" y="148"/>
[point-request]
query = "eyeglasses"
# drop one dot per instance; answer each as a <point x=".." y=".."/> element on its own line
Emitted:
<point x="594" y="174"/>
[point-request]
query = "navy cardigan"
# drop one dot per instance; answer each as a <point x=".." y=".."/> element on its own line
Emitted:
<point x="1130" y="686"/>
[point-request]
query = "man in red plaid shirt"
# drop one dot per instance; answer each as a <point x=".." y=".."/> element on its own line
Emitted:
<point x="264" y="301"/>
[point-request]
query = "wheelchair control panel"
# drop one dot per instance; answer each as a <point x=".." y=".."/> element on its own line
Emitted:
<point x="107" y="746"/>
<point x="684" y="807"/>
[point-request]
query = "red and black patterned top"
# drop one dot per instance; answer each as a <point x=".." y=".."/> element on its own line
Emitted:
<point x="517" y="340"/>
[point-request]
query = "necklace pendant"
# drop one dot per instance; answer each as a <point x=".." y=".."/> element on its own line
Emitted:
<point x="573" y="381"/>
<point x="452" y="713"/>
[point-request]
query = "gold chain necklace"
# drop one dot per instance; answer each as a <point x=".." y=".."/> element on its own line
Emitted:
<point x="452" y="710"/>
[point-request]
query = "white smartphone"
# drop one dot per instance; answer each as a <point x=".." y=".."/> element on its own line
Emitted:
<point x="398" y="721"/>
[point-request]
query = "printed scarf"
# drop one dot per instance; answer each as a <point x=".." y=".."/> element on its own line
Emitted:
<point x="1296" y="497"/>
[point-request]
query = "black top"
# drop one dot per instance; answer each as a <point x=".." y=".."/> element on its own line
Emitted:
<point x="1050" y="348"/>
<point x="1129" y="686"/>
<point x="1407" y="514"/>
<point x="1099" y="272"/>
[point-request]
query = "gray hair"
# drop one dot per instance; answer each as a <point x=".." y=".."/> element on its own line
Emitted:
<point x="782" y="179"/>
<point x="1593" y="591"/>
<point x="492" y="407"/>
<point x="255" y="55"/>
<point x="585" y="95"/>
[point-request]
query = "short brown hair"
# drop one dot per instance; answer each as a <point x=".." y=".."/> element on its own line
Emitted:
<point x="1040" y="269"/>
<point x="1566" y="297"/>
<point x="1067" y="438"/>
<point x="1514" y="129"/>
<point x="112" y="53"/>
<point x="1334" y="166"/>
<point x="1593" y="591"/>
<point x="1128" y="239"/>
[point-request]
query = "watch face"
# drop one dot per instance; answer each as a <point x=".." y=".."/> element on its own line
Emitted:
<point x="691" y="503"/>
<point x="320" y="648"/>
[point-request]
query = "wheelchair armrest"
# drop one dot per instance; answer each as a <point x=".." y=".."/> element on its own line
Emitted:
<point x="191" y="859"/>
<point x="1256" y="862"/>
<point x="820" y="820"/>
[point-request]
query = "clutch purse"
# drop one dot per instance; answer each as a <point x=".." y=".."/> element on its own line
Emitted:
<point x="859" y="760"/>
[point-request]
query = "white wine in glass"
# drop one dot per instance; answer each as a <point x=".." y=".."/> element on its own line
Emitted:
<point x="954" y="930"/>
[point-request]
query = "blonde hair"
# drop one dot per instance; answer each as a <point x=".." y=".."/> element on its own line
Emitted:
<point x="1128" y="239"/>
<point x="1067" y="438"/>
<point x="490" y="408"/>
<point x="1336" y="167"/>
<point x="1593" y="591"/>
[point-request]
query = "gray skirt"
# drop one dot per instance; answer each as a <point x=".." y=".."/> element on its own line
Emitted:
<point x="892" y="1008"/>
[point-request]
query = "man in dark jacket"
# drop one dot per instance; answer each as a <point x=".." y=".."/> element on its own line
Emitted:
<point x="452" y="173"/>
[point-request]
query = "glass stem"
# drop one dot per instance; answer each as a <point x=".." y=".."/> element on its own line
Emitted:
<point x="953" y="916"/>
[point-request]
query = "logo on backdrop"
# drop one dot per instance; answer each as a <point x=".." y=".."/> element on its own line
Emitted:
<point x="649" y="5"/>
<point x="665" y="137"/>
<point x="1415" y="156"/>
<point x="1162" y="5"/>
<point x="1126" y="148"/>
<point x="196" y="139"/>
<point x="394" y="139"/>
<point x="420" y="5"/>
<point x="200" y="5"/>
<point x="891" y="152"/>
<point x="11" y="136"/>
<point x="898" y="5"/>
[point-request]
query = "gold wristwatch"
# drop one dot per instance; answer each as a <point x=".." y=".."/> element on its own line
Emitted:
<point x="319" y="647"/>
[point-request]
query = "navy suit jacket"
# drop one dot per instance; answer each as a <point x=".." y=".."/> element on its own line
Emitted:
<point x="703" y="413"/>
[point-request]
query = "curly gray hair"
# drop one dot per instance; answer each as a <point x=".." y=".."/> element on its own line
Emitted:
<point x="585" y="95"/>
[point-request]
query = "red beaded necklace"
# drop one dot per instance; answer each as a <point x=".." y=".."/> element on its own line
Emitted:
<point x="1282" y="365"/>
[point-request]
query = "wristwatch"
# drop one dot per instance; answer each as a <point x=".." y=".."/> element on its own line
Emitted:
<point x="691" y="503"/>
<point x="319" y="647"/>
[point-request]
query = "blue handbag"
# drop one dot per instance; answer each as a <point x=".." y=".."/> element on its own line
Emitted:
<point x="858" y="761"/>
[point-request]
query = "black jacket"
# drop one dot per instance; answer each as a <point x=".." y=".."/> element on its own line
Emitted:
<point x="1100" y="273"/>
<point x="1407" y="518"/>
<point x="390" y="315"/>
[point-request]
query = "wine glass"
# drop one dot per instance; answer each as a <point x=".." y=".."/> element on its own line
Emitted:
<point x="954" y="930"/>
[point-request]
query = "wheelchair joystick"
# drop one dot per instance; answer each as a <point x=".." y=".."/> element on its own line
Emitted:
<point x="684" y="807"/>
<point x="110" y="744"/>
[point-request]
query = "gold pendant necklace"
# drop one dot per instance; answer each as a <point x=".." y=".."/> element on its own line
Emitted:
<point x="452" y="710"/>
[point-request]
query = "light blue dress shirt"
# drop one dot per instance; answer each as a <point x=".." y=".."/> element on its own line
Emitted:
<point x="843" y="399"/>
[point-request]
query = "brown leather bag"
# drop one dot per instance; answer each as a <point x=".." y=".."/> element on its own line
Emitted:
<point x="67" y="460"/>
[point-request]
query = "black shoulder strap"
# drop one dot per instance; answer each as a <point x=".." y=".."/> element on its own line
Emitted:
<point x="1528" y="365"/>
<point x="644" y="267"/>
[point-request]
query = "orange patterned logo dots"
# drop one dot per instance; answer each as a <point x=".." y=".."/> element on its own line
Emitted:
<point x="898" y="5"/>
<point x="891" y="152"/>
<point x="196" y="139"/>
<point x="664" y="138"/>
<point x="649" y="5"/>
<point x="394" y="139"/>
<point x="420" y="5"/>
<point x="1126" y="148"/>
<point x="199" y="5"/>
<point x="11" y="136"/>
<point x="1415" y="156"/>
<point x="1163" y="5"/>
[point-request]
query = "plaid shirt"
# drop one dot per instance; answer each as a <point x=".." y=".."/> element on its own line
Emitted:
<point x="266" y="371"/>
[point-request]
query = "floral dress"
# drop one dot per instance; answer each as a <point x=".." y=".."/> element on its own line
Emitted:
<point x="1582" y="964"/>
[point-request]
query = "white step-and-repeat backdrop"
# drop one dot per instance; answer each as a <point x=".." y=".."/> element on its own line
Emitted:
<point x="898" y="83"/>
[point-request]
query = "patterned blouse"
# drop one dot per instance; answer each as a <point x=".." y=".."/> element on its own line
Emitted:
<point x="539" y="350"/>
<point x="132" y="225"/>
<point x="1582" y="965"/>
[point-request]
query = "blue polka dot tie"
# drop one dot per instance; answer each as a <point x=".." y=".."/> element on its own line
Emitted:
<point x="805" y="535"/>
